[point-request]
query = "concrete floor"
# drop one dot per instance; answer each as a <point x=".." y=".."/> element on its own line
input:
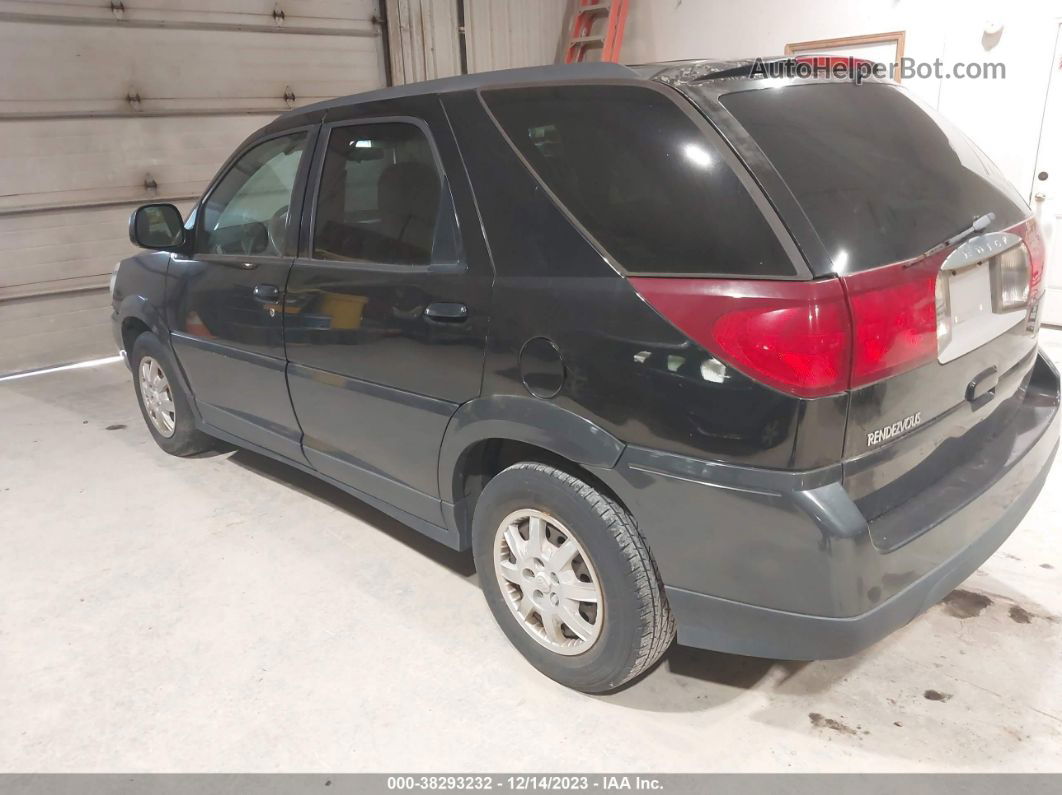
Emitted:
<point x="228" y="613"/>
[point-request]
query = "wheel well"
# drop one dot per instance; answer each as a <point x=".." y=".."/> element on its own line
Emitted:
<point x="132" y="327"/>
<point x="487" y="458"/>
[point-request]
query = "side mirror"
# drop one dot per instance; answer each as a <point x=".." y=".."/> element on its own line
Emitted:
<point x="156" y="226"/>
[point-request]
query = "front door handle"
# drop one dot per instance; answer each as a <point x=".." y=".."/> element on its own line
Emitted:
<point x="442" y="312"/>
<point x="267" y="292"/>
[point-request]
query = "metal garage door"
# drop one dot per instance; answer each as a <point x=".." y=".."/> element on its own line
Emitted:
<point x="104" y="105"/>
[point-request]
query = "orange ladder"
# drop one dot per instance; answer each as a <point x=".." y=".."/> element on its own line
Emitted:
<point x="582" y="39"/>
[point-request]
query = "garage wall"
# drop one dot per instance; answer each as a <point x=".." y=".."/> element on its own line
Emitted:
<point x="423" y="40"/>
<point x="506" y="34"/>
<point x="103" y="109"/>
<point x="1002" y="116"/>
<point x="499" y="34"/>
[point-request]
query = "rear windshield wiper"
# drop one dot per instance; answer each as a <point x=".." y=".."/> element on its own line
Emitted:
<point x="978" y="225"/>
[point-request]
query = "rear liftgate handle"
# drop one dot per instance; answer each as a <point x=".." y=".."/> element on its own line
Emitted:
<point x="982" y="388"/>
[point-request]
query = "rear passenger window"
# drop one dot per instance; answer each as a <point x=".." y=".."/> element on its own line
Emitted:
<point x="379" y="196"/>
<point x="641" y="177"/>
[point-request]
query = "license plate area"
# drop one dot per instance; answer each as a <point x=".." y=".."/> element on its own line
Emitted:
<point x="970" y="307"/>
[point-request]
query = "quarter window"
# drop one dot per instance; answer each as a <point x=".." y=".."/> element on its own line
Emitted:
<point x="641" y="177"/>
<point x="247" y="213"/>
<point x="379" y="196"/>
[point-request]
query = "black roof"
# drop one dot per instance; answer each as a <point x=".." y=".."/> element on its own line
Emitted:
<point x="670" y="72"/>
<point x="529" y="74"/>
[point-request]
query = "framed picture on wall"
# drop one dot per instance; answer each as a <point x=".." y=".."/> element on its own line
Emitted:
<point x="884" y="48"/>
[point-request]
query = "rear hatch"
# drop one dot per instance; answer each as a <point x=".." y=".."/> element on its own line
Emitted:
<point x="940" y="265"/>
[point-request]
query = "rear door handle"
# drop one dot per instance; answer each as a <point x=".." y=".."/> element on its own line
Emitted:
<point x="442" y="312"/>
<point x="267" y="292"/>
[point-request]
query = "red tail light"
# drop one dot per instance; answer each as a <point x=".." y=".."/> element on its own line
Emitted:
<point x="817" y="338"/>
<point x="798" y="336"/>
<point x="1034" y="243"/>
<point x="894" y="319"/>
<point x="793" y="336"/>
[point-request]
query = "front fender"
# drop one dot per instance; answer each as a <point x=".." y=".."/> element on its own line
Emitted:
<point x="139" y="291"/>
<point x="522" y="419"/>
<point x="141" y="308"/>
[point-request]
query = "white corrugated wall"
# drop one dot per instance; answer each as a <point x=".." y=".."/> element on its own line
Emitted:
<point x="499" y="34"/>
<point x="504" y="34"/>
<point x="423" y="36"/>
<point x="104" y="105"/>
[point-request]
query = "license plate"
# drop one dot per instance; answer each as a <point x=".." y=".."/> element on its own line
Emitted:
<point x="970" y="297"/>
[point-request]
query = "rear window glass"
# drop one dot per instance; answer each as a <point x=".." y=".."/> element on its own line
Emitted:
<point x="641" y="177"/>
<point x="881" y="177"/>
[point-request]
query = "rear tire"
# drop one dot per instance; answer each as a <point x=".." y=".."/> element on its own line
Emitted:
<point x="584" y="604"/>
<point x="166" y="409"/>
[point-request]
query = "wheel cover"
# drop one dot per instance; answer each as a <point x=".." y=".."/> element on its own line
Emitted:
<point x="156" y="397"/>
<point x="548" y="582"/>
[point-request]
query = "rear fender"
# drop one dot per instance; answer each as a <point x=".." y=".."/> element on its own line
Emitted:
<point x="520" y="419"/>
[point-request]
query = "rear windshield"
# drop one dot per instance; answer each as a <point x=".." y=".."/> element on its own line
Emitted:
<point x="880" y="177"/>
<point x="641" y="177"/>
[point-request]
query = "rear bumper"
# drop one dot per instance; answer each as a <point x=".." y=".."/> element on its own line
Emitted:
<point x="783" y="564"/>
<point x="711" y="622"/>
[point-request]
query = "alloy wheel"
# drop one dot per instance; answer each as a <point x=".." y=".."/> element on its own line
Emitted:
<point x="548" y="582"/>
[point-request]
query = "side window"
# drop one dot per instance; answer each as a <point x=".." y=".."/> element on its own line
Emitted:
<point x="247" y="212"/>
<point x="379" y="196"/>
<point x="641" y="177"/>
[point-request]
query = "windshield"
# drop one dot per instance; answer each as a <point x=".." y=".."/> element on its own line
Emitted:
<point x="881" y="177"/>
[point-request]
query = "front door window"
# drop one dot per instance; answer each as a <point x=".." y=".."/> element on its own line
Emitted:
<point x="247" y="212"/>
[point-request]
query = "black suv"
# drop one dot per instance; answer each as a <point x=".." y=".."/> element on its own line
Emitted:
<point x="671" y="345"/>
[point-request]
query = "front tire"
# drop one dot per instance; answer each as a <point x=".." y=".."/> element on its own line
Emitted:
<point x="569" y="579"/>
<point x="163" y="403"/>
